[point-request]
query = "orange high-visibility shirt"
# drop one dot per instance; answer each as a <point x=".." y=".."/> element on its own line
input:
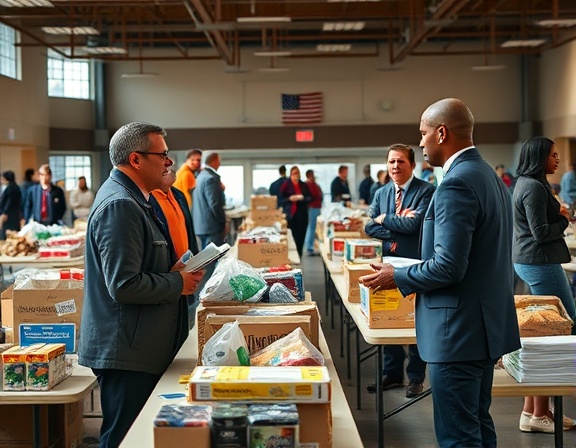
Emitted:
<point x="185" y="182"/>
<point x="175" y="219"/>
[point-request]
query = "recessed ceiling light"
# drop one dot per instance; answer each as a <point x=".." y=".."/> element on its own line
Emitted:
<point x="25" y="3"/>
<point x="523" y="43"/>
<point x="70" y="30"/>
<point x="549" y="23"/>
<point x="105" y="50"/>
<point x="273" y="69"/>
<point x="334" y="48"/>
<point x="262" y="19"/>
<point x="343" y="26"/>
<point x="488" y="68"/>
<point x="272" y="53"/>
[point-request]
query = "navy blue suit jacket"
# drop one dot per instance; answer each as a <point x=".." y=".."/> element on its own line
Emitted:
<point x="56" y="204"/>
<point x="465" y="304"/>
<point x="401" y="229"/>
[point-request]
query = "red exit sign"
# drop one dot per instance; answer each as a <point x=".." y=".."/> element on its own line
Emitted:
<point x="305" y="135"/>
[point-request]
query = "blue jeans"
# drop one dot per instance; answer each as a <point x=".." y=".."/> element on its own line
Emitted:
<point x="313" y="214"/>
<point x="548" y="280"/>
<point x="461" y="397"/>
<point x="394" y="356"/>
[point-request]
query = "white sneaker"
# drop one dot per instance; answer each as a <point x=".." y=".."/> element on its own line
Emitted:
<point x="542" y="424"/>
<point x="568" y="423"/>
<point x="525" y="422"/>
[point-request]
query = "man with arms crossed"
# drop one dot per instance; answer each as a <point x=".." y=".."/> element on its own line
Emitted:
<point x="397" y="212"/>
<point x="131" y="320"/>
<point x="465" y="315"/>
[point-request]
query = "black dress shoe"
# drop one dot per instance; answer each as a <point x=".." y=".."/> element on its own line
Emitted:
<point x="387" y="384"/>
<point x="414" y="389"/>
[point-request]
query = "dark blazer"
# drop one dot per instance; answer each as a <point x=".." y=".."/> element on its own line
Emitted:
<point x="208" y="204"/>
<point x="339" y="187"/>
<point x="465" y="304"/>
<point x="11" y="205"/>
<point x="56" y="204"/>
<point x="538" y="225"/>
<point x="275" y="186"/>
<point x="288" y="190"/>
<point x="403" y="230"/>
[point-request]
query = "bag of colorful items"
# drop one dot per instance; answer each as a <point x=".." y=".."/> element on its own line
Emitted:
<point x="294" y="349"/>
<point x="286" y="285"/>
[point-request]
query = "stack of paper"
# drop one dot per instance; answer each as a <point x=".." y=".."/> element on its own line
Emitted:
<point x="544" y="359"/>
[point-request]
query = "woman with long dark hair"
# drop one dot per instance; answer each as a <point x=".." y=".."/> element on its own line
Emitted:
<point x="539" y="250"/>
<point x="294" y="199"/>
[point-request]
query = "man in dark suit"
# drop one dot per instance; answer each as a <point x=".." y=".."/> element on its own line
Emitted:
<point x="275" y="186"/>
<point x="397" y="212"/>
<point x="45" y="202"/>
<point x="339" y="188"/>
<point x="465" y="315"/>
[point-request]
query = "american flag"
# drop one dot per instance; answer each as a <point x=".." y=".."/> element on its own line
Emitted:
<point x="302" y="108"/>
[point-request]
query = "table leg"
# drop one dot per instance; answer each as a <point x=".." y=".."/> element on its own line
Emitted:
<point x="327" y="290"/>
<point x="348" y="366"/>
<point x="332" y="300"/>
<point x="358" y="375"/>
<point x="341" y="329"/>
<point x="558" y="422"/>
<point x="380" y="397"/>
<point x="36" y="435"/>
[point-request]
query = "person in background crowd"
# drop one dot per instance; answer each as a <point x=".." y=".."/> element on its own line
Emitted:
<point x="314" y="209"/>
<point x="396" y="216"/>
<point x="171" y="207"/>
<point x="364" y="188"/>
<point x="187" y="173"/>
<point x="382" y="178"/>
<point x="29" y="180"/>
<point x="339" y="190"/>
<point x="45" y="202"/>
<point x="81" y="199"/>
<point x="275" y="186"/>
<point x="568" y="186"/>
<point x="131" y="323"/>
<point x="294" y="199"/>
<point x="504" y="175"/>
<point x="464" y="323"/>
<point x="538" y="251"/>
<point x="208" y="199"/>
<point x="428" y="173"/>
<point x="10" y="204"/>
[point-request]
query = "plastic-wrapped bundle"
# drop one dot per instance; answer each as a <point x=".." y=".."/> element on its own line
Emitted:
<point x="294" y="349"/>
<point x="233" y="280"/>
<point x="291" y="279"/>
<point x="183" y="415"/>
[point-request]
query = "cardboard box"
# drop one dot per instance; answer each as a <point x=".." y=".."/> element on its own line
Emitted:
<point x="266" y="217"/>
<point x="327" y="240"/>
<point x="48" y="302"/>
<point x="263" y="202"/>
<point x="61" y="425"/>
<point x="259" y="331"/>
<point x="45" y="367"/>
<point x="182" y="437"/>
<point x="352" y="272"/>
<point x="387" y="309"/>
<point x="261" y="255"/>
<point x="293" y="384"/>
<point x="315" y="424"/>
<point x="363" y="251"/>
<point x="307" y="308"/>
<point x="7" y="307"/>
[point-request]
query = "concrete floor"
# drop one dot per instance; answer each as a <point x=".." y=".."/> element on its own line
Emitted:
<point x="411" y="428"/>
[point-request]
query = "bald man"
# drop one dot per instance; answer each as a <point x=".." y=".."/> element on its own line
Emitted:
<point x="465" y="315"/>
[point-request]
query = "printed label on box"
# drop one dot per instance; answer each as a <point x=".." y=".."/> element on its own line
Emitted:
<point x="49" y="334"/>
<point x="67" y="307"/>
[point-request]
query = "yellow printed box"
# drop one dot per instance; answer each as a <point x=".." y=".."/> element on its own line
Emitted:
<point x="387" y="309"/>
<point x="295" y="384"/>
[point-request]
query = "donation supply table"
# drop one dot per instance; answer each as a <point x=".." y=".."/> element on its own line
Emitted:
<point x="503" y="386"/>
<point x="345" y="433"/>
<point x="71" y="390"/>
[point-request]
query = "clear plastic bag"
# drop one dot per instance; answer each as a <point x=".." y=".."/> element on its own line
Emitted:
<point x="226" y="347"/>
<point x="294" y="349"/>
<point x="234" y="280"/>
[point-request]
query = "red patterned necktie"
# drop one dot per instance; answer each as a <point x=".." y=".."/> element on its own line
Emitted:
<point x="399" y="200"/>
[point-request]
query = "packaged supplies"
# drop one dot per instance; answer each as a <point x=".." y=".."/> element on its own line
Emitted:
<point x="227" y="347"/>
<point x="171" y="415"/>
<point x="273" y="425"/>
<point x="541" y="316"/>
<point x="363" y="251"/>
<point x="292" y="350"/>
<point x="233" y="280"/>
<point x="292" y="279"/>
<point x="230" y="425"/>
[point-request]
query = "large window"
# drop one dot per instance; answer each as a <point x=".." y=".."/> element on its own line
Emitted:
<point x="67" y="169"/>
<point x="8" y="52"/>
<point x="232" y="176"/>
<point x="68" y="78"/>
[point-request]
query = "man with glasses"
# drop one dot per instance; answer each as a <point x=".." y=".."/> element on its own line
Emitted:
<point x="186" y="174"/>
<point x="134" y="315"/>
<point x="45" y="202"/>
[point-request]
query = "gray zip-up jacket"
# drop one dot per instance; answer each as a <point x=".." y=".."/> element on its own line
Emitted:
<point x="130" y="318"/>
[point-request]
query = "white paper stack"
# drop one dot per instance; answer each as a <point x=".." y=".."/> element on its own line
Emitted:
<point x="543" y="359"/>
